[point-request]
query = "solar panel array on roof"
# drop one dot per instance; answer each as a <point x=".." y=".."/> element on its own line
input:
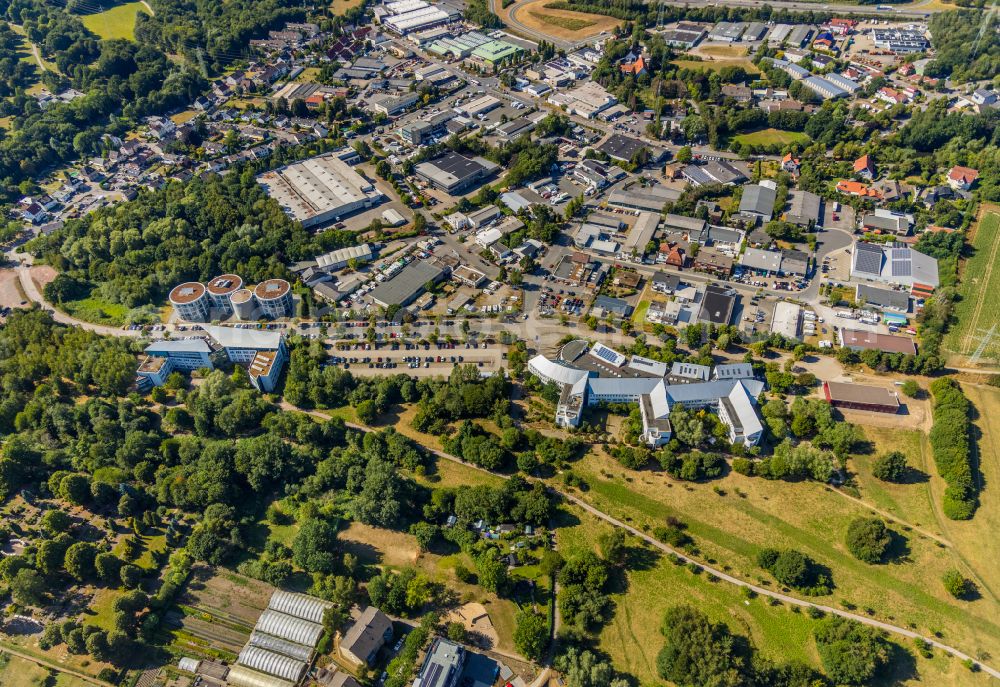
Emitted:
<point x="607" y="355"/>
<point x="900" y="253"/>
<point x="901" y="268"/>
<point x="868" y="260"/>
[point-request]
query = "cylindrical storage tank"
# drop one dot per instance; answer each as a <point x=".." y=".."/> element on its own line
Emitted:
<point x="221" y="288"/>
<point x="241" y="676"/>
<point x="243" y="304"/>
<point x="274" y="297"/>
<point x="271" y="663"/>
<point x="190" y="301"/>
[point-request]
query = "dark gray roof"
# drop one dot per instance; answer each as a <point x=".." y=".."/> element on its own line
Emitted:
<point x="717" y="305"/>
<point x="671" y="281"/>
<point x="868" y="258"/>
<point x="884" y="298"/>
<point x="406" y="285"/>
<point x="367" y="634"/>
<point x="615" y="305"/>
<point x="758" y="200"/>
<point x="623" y="147"/>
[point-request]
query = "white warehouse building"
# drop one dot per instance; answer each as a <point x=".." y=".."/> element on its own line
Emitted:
<point x="320" y="190"/>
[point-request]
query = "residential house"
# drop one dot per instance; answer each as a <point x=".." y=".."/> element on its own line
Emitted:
<point x="962" y="178"/>
<point x="371" y="630"/>
<point x="864" y="167"/>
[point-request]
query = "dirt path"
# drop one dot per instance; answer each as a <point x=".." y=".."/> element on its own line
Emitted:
<point x="148" y="7"/>
<point x="896" y="519"/>
<point x="722" y="575"/>
<point x="52" y="666"/>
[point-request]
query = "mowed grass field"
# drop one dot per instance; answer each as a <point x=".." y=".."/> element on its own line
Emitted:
<point x="769" y="136"/>
<point x="730" y="528"/>
<point x="913" y="501"/>
<point x="632" y="635"/>
<point x="976" y="540"/>
<point x="716" y="65"/>
<point x="341" y="6"/>
<point x="979" y="280"/>
<point x="117" y="22"/>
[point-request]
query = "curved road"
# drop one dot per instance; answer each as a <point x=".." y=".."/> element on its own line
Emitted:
<point x="34" y="295"/>
<point x="722" y="575"/>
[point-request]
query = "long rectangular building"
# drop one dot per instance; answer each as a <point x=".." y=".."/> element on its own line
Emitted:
<point x="320" y="190"/>
<point x="859" y="397"/>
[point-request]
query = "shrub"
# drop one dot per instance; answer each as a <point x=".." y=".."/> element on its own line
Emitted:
<point x="794" y="569"/>
<point x="891" y="467"/>
<point x="743" y="466"/>
<point x="852" y="653"/>
<point x="951" y="444"/>
<point x="868" y="539"/>
<point x="957" y="585"/>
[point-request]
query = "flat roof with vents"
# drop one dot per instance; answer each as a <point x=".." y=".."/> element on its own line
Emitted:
<point x="271" y="289"/>
<point x="187" y="292"/>
<point x="224" y="284"/>
<point x="319" y="188"/>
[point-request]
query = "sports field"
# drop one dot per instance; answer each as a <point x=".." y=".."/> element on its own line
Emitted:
<point x="117" y="22"/>
<point x="560" y="24"/>
<point x="770" y="136"/>
<point x="979" y="276"/>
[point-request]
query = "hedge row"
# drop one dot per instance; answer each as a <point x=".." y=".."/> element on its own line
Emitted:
<point x="951" y="441"/>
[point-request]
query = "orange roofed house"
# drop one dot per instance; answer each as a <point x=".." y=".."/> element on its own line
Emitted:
<point x="856" y="188"/>
<point x="636" y="67"/>
<point x="962" y="178"/>
<point x="790" y="164"/>
<point x="864" y="167"/>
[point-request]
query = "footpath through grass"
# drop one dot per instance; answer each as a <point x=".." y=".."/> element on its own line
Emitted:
<point x="730" y="527"/>
<point x="632" y="638"/>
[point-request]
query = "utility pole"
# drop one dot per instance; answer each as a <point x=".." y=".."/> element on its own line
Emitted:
<point x="986" y="338"/>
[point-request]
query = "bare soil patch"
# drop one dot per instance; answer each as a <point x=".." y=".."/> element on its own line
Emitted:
<point x="561" y="24"/>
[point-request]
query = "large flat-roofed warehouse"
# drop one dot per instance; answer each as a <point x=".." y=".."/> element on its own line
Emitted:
<point x="859" y="397"/>
<point x="404" y="288"/>
<point x="319" y="190"/>
<point x="641" y="233"/>
<point x="455" y="173"/>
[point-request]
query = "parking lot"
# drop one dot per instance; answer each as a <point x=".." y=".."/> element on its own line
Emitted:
<point x="413" y="359"/>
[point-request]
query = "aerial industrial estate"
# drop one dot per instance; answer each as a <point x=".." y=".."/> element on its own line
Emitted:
<point x="461" y="343"/>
